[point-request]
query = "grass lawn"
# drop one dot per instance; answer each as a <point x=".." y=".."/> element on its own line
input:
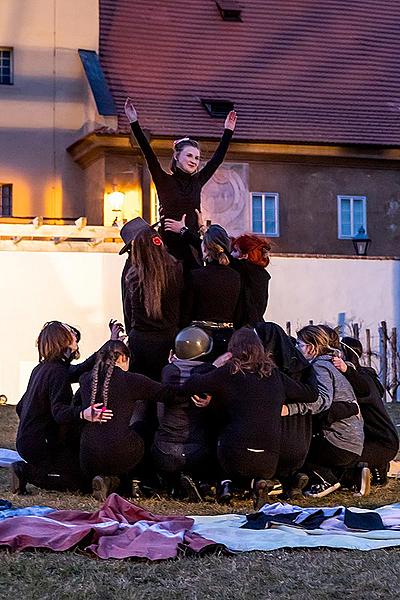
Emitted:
<point x="320" y="574"/>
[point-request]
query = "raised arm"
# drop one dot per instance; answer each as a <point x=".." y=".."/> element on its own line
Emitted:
<point x="325" y="394"/>
<point x="218" y="157"/>
<point x="151" y="159"/>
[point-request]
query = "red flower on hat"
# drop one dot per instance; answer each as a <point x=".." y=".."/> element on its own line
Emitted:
<point x="157" y="241"/>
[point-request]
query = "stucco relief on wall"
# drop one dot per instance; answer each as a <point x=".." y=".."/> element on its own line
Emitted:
<point x="225" y="198"/>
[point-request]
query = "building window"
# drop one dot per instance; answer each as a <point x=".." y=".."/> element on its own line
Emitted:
<point x="5" y="200"/>
<point x="352" y="214"/>
<point x="6" y="66"/>
<point x="265" y="213"/>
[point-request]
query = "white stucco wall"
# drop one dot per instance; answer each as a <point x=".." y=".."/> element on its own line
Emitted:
<point x="84" y="289"/>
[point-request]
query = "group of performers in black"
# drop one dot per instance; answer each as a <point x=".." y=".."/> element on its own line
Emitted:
<point x="201" y="396"/>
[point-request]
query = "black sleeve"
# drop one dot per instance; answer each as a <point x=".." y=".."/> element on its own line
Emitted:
<point x="337" y="412"/>
<point x="187" y="301"/>
<point x="191" y="239"/>
<point x="152" y="161"/>
<point x="75" y="371"/>
<point x="60" y="396"/>
<point x="207" y="383"/>
<point x="299" y="392"/>
<point x="357" y="382"/>
<point x="217" y="159"/>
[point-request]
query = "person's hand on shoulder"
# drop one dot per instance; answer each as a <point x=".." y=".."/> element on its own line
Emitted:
<point x="202" y="401"/>
<point x="339" y="364"/>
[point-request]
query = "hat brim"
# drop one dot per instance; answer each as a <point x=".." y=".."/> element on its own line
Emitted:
<point x="125" y="248"/>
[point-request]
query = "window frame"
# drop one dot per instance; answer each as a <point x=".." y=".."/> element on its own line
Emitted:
<point x="10" y="186"/>
<point x="11" y="51"/>
<point x="351" y="197"/>
<point x="276" y="212"/>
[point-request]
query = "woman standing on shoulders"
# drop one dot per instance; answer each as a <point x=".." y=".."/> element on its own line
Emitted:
<point x="179" y="191"/>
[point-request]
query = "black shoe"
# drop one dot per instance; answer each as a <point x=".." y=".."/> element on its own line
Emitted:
<point x="379" y="475"/>
<point x="102" y="487"/>
<point x="224" y="492"/>
<point x="362" y="480"/>
<point x="320" y="490"/>
<point x="136" y="492"/>
<point x="189" y="486"/>
<point x="298" y="485"/>
<point x="261" y="489"/>
<point x="18" y="477"/>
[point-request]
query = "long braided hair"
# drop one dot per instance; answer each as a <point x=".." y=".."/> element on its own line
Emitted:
<point x="103" y="369"/>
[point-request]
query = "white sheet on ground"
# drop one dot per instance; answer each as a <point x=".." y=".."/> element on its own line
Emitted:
<point x="226" y="529"/>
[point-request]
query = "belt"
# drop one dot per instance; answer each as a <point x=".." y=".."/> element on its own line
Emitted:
<point x="212" y="324"/>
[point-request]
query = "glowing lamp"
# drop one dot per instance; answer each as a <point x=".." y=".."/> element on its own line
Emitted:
<point x="116" y="200"/>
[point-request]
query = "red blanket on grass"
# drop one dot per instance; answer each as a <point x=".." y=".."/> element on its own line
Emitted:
<point x="119" y="529"/>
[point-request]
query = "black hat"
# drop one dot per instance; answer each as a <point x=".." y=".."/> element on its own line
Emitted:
<point x="131" y="230"/>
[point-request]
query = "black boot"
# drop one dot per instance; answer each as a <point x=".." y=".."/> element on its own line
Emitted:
<point x="19" y="478"/>
<point x="224" y="492"/>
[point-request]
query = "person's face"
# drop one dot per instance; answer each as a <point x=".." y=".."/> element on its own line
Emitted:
<point x="188" y="159"/>
<point x="307" y="350"/>
<point x="74" y="347"/>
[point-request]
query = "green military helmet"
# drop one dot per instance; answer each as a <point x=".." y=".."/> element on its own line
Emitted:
<point x="192" y="342"/>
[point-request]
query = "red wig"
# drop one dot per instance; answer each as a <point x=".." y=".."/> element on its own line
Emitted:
<point x="256" y="247"/>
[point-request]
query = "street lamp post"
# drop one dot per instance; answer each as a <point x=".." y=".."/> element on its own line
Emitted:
<point x="361" y="242"/>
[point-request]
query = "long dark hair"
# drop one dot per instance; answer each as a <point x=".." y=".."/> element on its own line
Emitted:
<point x="103" y="369"/>
<point x="155" y="270"/>
<point x="248" y="354"/>
<point x="352" y="350"/>
<point x="178" y="146"/>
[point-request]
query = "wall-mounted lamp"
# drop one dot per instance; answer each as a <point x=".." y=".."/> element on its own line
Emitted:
<point x="116" y="200"/>
<point x="361" y="242"/>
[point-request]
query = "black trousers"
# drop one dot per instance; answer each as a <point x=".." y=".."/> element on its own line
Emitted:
<point x="169" y="457"/>
<point x="60" y="471"/>
<point x="295" y="444"/>
<point x="150" y="351"/>
<point x="328" y="460"/>
<point x="377" y="455"/>
<point x="238" y="462"/>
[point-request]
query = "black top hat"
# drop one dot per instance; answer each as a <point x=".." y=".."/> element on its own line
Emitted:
<point x="131" y="230"/>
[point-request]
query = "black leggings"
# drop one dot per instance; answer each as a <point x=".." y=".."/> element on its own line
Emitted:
<point x="150" y="351"/>
<point x="328" y="461"/>
<point x="241" y="462"/>
<point x="377" y="455"/>
<point x="295" y="444"/>
<point x="60" y="471"/>
<point x="170" y="457"/>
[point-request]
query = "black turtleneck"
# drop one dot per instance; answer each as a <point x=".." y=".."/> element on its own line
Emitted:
<point x="179" y="192"/>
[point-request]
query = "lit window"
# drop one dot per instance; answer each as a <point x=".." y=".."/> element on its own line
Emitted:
<point x="352" y="214"/>
<point x="6" y="66"/>
<point x="5" y="200"/>
<point x="265" y="213"/>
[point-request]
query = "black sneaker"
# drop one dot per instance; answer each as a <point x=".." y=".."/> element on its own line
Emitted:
<point x="362" y="480"/>
<point x="379" y="476"/>
<point x="262" y="489"/>
<point x="298" y="485"/>
<point x="224" y="492"/>
<point x="189" y="487"/>
<point x="135" y="490"/>
<point x="103" y="486"/>
<point x="18" y="478"/>
<point x="320" y="490"/>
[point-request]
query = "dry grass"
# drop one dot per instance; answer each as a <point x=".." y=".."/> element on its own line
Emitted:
<point x="317" y="573"/>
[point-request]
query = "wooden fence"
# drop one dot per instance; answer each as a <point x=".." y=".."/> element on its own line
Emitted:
<point x="380" y="352"/>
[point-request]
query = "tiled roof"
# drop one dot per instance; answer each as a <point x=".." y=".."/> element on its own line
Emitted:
<point x="317" y="71"/>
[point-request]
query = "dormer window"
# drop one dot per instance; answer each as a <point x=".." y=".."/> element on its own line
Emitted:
<point x="218" y="109"/>
<point x="229" y="10"/>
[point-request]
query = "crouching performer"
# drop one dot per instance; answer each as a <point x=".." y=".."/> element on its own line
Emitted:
<point x="109" y="454"/>
<point x="184" y="441"/>
<point x="48" y="431"/>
